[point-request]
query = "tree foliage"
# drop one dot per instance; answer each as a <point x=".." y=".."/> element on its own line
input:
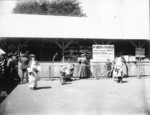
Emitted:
<point x="57" y="7"/>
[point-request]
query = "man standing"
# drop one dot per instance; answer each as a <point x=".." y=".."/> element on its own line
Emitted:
<point x="24" y="64"/>
<point x="11" y="69"/>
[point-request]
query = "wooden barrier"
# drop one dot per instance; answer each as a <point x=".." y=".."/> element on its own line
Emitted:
<point x="52" y="70"/>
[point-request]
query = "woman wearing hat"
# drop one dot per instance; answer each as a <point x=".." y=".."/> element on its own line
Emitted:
<point x="82" y="73"/>
<point x="11" y="69"/>
<point x="33" y="69"/>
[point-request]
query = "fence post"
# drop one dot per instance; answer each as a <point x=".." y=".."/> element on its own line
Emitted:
<point x="95" y="71"/>
<point x="50" y="71"/>
<point x="138" y="69"/>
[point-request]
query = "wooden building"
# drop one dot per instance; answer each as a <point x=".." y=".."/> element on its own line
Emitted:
<point x="70" y="36"/>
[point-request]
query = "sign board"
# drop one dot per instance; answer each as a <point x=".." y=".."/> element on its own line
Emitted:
<point x="103" y="52"/>
<point x="140" y="52"/>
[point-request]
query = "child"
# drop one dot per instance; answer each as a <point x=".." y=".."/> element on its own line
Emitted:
<point x="33" y="69"/>
<point x="66" y="73"/>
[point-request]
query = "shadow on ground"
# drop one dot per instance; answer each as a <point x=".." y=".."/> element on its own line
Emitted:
<point x="123" y="81"/>
<point x="47" y="87"/>
<point x="67" y="83"/>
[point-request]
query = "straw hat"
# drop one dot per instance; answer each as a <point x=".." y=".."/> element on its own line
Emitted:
<point x="32" y="55"/>
<point x="82" y="55"/>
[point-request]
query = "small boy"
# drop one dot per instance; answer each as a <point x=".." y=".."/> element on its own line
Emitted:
<point x="119" y="74"/>
<point x="66" y="73"/>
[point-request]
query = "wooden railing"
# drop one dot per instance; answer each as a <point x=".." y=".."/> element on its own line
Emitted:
<point x="52" y="70"/>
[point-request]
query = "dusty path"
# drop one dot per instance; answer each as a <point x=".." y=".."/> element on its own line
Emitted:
<point x="81" y="97"/>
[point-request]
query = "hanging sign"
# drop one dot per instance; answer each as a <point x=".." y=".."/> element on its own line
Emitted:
<point x="140" y="52"/>
<point x="103" y="52"/>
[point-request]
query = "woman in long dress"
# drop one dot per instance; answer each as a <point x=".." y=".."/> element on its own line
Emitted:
<point x="33" y="70"/>
<point x="124" y="67"/>
<point x="83" y="72"/>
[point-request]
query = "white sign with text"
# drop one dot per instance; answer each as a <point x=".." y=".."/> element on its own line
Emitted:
<point x="103" y="52"/>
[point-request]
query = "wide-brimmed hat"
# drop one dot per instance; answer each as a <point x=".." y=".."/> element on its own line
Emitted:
<point x="84" y="54"/>
<point x="32" y="55"/>
<point x="22" y="55"/>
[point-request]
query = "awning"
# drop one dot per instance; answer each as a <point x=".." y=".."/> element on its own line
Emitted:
<point x="41" y="26"/>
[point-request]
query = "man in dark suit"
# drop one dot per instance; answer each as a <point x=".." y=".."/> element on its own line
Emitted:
<point x="24" y="64"/>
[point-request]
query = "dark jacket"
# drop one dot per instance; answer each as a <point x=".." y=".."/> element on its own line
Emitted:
<point x="11" y="65"/>
<point x="24" y="62"/>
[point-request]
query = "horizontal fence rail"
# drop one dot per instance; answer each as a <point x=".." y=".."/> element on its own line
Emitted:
<point x="52" y="70"/>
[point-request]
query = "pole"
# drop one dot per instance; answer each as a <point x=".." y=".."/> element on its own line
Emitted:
<point x="138" y="68"/>
<point x="63" y="51"/>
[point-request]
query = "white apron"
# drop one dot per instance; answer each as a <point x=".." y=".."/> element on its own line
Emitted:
<point x="33" y="78"/>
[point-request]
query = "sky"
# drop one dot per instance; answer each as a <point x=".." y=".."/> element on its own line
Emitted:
<point x="130" y="14"/>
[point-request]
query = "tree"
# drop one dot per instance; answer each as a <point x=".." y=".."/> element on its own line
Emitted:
<point x="58" y="7"/>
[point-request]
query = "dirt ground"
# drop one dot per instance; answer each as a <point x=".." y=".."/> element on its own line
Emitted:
<point x="80" y="97"/>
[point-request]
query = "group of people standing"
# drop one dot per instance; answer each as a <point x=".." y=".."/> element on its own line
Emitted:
<point x="30" y="68"/>
<point x="9" y="69"/>
<point x="83" y="67"/>
<point x="115" y="68"/>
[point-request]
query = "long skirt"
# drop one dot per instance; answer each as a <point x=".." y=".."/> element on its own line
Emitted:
<point x="125" y="70"/>
<point x="32" y="80"/>
<point x="83" y="71"/>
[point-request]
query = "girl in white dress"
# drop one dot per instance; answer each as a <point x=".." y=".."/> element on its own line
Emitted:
<point x="33" y="70"/>
<point x="118" y="71"/>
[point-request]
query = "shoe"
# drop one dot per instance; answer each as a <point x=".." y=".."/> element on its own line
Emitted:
<point x="34" y="88"/>
<point x="118" y="81"/>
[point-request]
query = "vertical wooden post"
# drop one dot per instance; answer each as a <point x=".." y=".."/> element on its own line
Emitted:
<point x="63" y="51"/>
<point x="133" y="44"/>
<point x="40" y="50"/>
<point x="108" y="43"/>
<point x="18" y="50"/>
<point x="149" y="49"/>
<point x="95" y="70"/>
<point x="63" y="47"/>
<point x="95" y="42"/>
<point x="139" y="68"/>
<point x="50" y="72"/>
